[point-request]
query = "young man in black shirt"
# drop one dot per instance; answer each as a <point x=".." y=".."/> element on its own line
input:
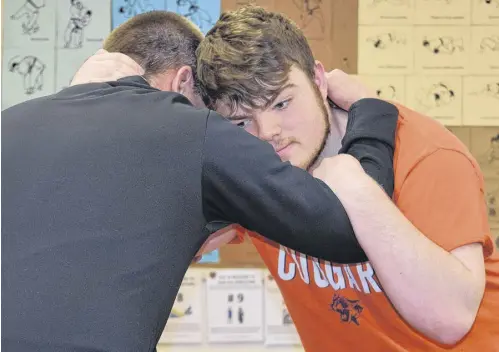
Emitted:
<point x="109" y="190"/>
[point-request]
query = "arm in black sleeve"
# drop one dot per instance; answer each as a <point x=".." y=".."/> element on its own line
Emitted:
<point x="370" y="138"/>
<point x="245" y="182"/>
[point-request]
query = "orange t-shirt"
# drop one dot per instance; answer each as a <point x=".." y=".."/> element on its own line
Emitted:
<point x="439" y="188"/>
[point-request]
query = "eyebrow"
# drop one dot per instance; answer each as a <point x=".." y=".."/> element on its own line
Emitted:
<point x="245" y="117"/>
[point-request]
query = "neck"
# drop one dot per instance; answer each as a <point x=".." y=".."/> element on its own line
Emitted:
<point x="338" y="125"/>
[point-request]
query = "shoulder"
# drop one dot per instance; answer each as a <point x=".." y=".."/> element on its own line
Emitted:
<point x="420" y="138"/>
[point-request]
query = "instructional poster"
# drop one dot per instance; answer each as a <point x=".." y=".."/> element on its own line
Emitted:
<point x="485" y="12"/>
<point x="390" y="88"/>
<point x="279" y="327"/>
<point x="29" y="21"/>
<point x="441" y="50"/>
<point x="481" y="101"/>
<point x="185" y="324"/>
<point x="385" y="50"/>
<point x="82" y="28"/>
<point x="28" y="55"/>
<point x="203" y="13"/>
<point x="28" y="72"/>
<point x="234" y="301"/>
<point x="386" y="12"/>
<point x="485" y="148"/>
<point x="437" y="96"/>
<point x="442" y="12"/>
<point x="485" y="50"/>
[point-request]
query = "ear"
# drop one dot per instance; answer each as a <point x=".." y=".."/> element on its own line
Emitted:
<point x="320" y="78"/>
<point x="183" y="82"/>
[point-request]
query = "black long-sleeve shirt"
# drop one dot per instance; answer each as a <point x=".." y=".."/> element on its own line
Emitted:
<point x="108" y="191"/>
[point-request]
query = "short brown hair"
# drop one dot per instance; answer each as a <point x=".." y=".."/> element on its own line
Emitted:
<point x="157" y="41"/>
<point x="245" y="59"/>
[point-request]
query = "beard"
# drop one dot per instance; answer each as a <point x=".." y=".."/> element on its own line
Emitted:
<point x="314" y="156"/>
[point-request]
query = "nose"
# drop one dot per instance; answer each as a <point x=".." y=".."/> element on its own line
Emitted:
<point x="269" y="126"/>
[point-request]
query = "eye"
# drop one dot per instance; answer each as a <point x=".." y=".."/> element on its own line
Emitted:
<point x="282" y="105"/>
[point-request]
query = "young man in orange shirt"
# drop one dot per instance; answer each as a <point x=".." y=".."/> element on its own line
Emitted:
<point x="432" y="280"/>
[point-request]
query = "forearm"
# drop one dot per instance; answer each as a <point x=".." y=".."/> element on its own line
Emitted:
<point x="370" y="138"/>
<point x="245" y="182"/>
<point x="432" y="290"/>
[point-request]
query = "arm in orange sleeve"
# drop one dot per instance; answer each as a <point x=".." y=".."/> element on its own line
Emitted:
<point x="444" y="198"/>
<point x="430" y="261"/>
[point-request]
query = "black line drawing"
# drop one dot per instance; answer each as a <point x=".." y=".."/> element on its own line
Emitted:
<point x="29" y="12"/>
<point x="191" y="10"/>
<point x="286" y="317"/>
<point x="31" y="69"/>
<point x="443" y="45"/>
<point x="80" y="17"/>
<point x="376" y="3"/>
<point x="488" y="44"/>
<point x="311" y="11"/>
<point x="386" y="40"/>
<point x="436" y="95"/>
<point x="490" y="89"/>
<point x="492" y="205"/>
<point x="387" y="92"/>
<point x="489" y="2"/>
<point x="492" y="153"/>
<point x="134" y="7"/>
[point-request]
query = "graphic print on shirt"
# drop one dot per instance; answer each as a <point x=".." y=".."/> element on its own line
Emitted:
<point x="348" y="283"/>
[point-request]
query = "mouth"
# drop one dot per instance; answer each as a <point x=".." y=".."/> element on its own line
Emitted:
<point x="282" y="151"/>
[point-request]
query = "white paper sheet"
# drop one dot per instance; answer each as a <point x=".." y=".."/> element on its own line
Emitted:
<point x="27" y="73"/>
<point x="234" y="301"/>
<point x="279" y="327"/>
<point x="185" y="324"/>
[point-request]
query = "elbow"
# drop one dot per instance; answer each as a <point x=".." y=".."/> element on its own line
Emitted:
<point x="454" y="329"/>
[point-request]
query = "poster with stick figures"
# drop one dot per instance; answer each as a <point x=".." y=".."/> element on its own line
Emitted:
<point x="485" y="12"/>
<point x="235" y="305"/>
<point x="481" y="100"/>
<point x="385" y="50"/>
<point x="28" y="73"/>
<point x="184" y="324"/>
<point x="203" y="13"/>
<point x="441" y="50"/>
<point x="83" y="24"/>
<point x="484" y="50"/>
<point x="442" y="12"/>
<point x="123" y="10"/>
<point x="389" y="88"/>
<point x="485" y="149"/>
<point x="82" y="27"/>
<point x="436" y="96"/>
<point x="29" y="22"/>
<point x="279" y="327"/>
<point x="386" y="12"/>
<point x="492" y="199"/>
